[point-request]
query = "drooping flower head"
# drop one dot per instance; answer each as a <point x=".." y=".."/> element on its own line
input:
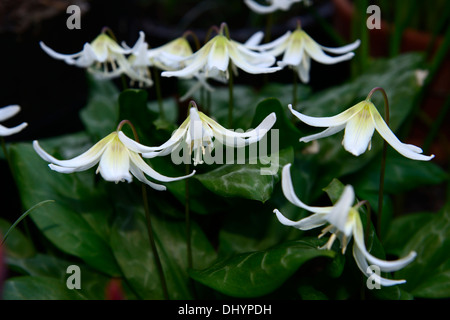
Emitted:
<point x="344" y="223"/>
<point x="117" y="163"/>
<point x="199" y="132"/>
<point x="272" y="5"/>
<point x="298" y="48"/>
<point x="6" y="113"/>
<point x="215" y="57"/>
<point x="103" y="57"/>
<point x="359" y="122"/>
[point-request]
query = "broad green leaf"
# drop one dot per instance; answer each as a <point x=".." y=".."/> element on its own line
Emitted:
<point x="130" y="243"/>
<point x="255" y="274"/>
<point x="428" y="275"/>
<point x="289" y="135"/>
<point x="38" y="288"/>
<point x="251" y="181"/>
<point x="101" y="114"/>
<point x="17" y="245"/>
<point x="78" y="221"/>
<point x="93" y="283"/>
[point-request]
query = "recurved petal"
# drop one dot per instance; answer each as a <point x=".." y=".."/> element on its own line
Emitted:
<point x="337" y="120"/>
<point x="343" y="49"/>
<point x="358" y="133"/>
<point x="141" y="177"/>
<point x="407" y="150"/>
<point x="325" y="133"/>
<point x="60" y="56"/>
<point x="315" y="52"/>
<point x="9" y="131"/>
<point x="289" y="193"/>
<point x="363" y="266"/>
<point x="9" y="111"/>
<point x="91" y="155"/>
<point x="251" y="62"/>
<point x="385" y="266"/>
<point x="258" y="8"/>
<point x="149" y="171"/>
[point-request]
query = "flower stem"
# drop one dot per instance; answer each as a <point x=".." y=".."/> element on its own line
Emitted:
<point x="383" y="159"/>
<point x="230" y="97"/>
<point x="5" y="152"/>
<point x="149" y="222"/>
<point x="153" y="244"/>
<point x="188" y="220"/>
<point x="158" y="93"/>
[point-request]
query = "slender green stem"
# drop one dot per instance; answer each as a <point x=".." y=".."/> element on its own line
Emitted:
<point x="230" y="97"/>
<point x="188" y="220"/>
<point x="383" y="159"/>
<point x="269" y="25"/>
<point x="153" y="244"/>
<point x="148" y="219"/>
<point x="158" y="93"/>
<point x="5" y="152"/>
<point x="294" y="88"/>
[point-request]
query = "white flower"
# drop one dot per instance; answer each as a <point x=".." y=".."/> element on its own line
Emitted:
<point x="298" y="48"/>
<point x="273" y="5"/>
<point x="344" y="223"/>
<point x="6" y="113"/>
<point x="215" y="56"/>
<point x="198" y="131"/>
<point x="103" y="57"/>
<point x="116" y="162"/>
<point x="171" y="56"/>
<point x="359" y="122"/>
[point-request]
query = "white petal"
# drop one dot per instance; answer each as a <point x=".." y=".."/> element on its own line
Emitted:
<point x="358" y="133"/>
<point x="385" y="266"/>
<point x="363" y="265"/>
<point x="277" y="46"/>
<point x="91" y="155"/>
<point x="289" y="193"/>
<point x="339" y="215"/>
<point x="193" y="63"/>
<point x="8" y="112"/>
<point x="145" y="168"/>
<point x="337" y="120"/>
<point x="325" y="133"/>
<point x="218" y="55"/>
<point x="254" y="40"/>
<point x="294" y="53"/>
<point x="115" y="163"/>
<point x="52" y="53"/>
<point x="315" y="52"/>
<point x="313" y="221"/>
<point x="141" y="177"/>
<point x="251" y="62"/>
<point x="258" y="8"/>
<point x="9" y="131"/>
<point x="406" y="150"/>
<point x="343" y="49"/>
<point x="135" y="146"/>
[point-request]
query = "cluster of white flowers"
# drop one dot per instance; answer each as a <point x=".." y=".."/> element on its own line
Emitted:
<point x="120" y="157"/>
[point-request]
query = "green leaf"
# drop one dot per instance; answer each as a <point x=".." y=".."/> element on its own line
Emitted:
<point x="256" y="274"/>
<point x="101" y="114"/>
<point x="289" y="135"/>
<point x="38" y="288"/>
<point x="428" y="276"/>
<point x="251" y="181"/>
<point x="77" y="222"/>
<point x="130" y="243"/>
<point x="18" y="245"/>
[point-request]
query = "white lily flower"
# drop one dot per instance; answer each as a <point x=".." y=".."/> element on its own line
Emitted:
<point x="344" y="223"/>
<point x="172" y="55"/>
<point x="215" y="56"/>
<point x="6" y="113"/>
<point x="298" y="48"/>
<point x="359" y="122"/>
<point x="116" y="162"/>
<point x="103" y="57"/>
<point x="272" y="5"/>
<point x="198" y="131"/>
